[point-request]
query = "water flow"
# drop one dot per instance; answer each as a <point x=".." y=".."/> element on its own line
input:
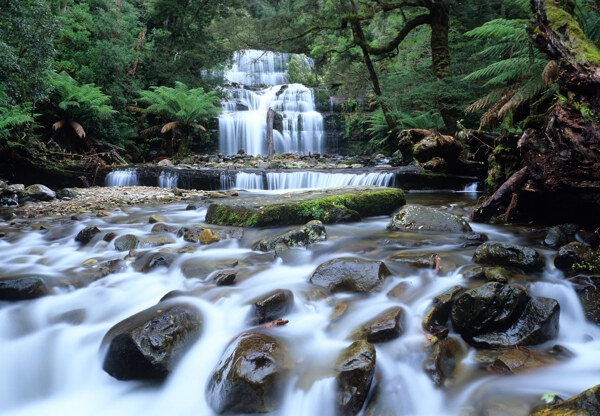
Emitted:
<point x="125" y="177"/>
<point x="168" y="180"/>
<point x="310" y="180"/>
<point x="243" y="123"/>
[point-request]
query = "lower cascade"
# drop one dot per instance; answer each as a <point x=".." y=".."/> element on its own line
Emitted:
<point x="311" y="180"/>
<point x="124" y="177"/>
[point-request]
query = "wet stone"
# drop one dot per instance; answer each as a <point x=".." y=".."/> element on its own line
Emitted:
<point x="108" y="237"/>
<point x="355" y="369"/>
<point x="349" y="274"/>
<point x="509" y="255"/>
<point x="422" y="218"/>
<point x="164" y="228"/>
<point x="225" y="278"/>
<point x="584" y="404"/>
<point x="23" y="288"/>
<point x="443" y="360"/>
<point x="150" y="260"/>
<point x="386" y="326"/>
<point x="155" y="219"/>
<point x="299" y="236"/>
<point x="87" y="234"/>
<point x="556" y="237"/>
<point x="272" y="306"/>
<point x="438" y="315"/>
<point x="127" y="242"/>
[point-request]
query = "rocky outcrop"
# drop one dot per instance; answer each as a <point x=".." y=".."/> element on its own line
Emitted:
<point x="310" y="233"/>
<point x="355" y="369"/>
<point x="250" y="375"/>
<point x="422" y="218"/>
<point x="509" y="255"/>
<point x="22" y="288"/>
<point x="149" y="344"/>
<point x="350" y="274"/>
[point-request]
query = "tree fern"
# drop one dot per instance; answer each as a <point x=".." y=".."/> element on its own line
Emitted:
<point x="12" y="117"/>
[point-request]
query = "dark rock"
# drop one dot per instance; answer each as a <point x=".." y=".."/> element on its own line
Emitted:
<point x="22" y="288"/>
<point x="590" y="239"/>
<point x="163" y="228"/>
<point x="437" y="316"/>
<point x="67" y="193"/>
<point x="108" y="237"/>
<point x="191" y="207"/>
<point x="442" y="362"/>
<point x="399" y="291"/>
<point x="300" y="236"/>
<point x="38" y="193"/>
<point x="474" y="239"/>
<point x="86" y="235"/>
<point x="556" y="237"/>
<point x="149" y="344"/>
<point x="225" y="278"/>
<point x="427" y="261"/>
<point x="127" y="242"/>
<point x="422" y="218"/>
<point x="272" y="306"/>
<point x="355" y="367"/>
<point x="250" y="375"/>
<point x="509" y="255"/>
<point x="575" y="257"/>
<point x="151" y="260"/>
<point x="386" y="326"/>
<point x="349" y="274"/>
<point x="584" y="404"/>
<point x="588" y="291"/>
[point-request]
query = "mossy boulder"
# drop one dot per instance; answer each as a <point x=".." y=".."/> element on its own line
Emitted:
<point x="329" y="206"/>
<point x="509" y="255"/>
<point x="584" y="404"/>
<point x="386" y="326"/>
<point x="355" y="368"/>
<point x="250" y="375"/>
<point x="350" y="274"/>
<point x="421" y="218"/>
<point x="271" y="306"/>
<point x="149" y="344"/>
<point x="22" y="288"/>
<point x="310" y="233"/>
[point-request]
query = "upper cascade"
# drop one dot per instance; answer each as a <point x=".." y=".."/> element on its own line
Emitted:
<point x="243" y="123"/>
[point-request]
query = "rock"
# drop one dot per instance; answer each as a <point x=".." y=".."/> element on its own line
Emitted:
<point x="577" y="257"/>
<point x="584" y="404"/>
<point x="498" y="274"/>
<point x="588" y="291"/>
<point x="87" y="234"/>
<point x="155" y="218"/>
<point x="165" y="162"/>
<point x="386" y="326"/>
<point x="73" y="317"/>
<point x="355" y="367"/>
<point x="225" y="278"/>
<point x="437" y="145"/>
<point x="164" y="228"/>
<point x="271" y="306"/>
<point x="349" y="274"/>
<point x="67" y="193"/>
<point x="149" y="344"/>
<point x="250" y="375"/>
<point x="208" y="237"/>
<point x="155" y="240"/>
<point x="556" y="237"/>
<point x="108" y="237"/>
<point x="150" y="260"/>
<point x="509" y="255"/>
<point x="590" y="239"/>
<point x="191" y="207"/>
<point x="422" y="218"/>
<point x="126" y="242"/>
<point x="300" y="236"/>
<point x="437" y="316"/>
<point x="217" y="195"/>
<point x="442" y="362"/>
<point x="329" y="206"/>
<point x="474" y="239"/>
<point x="22" y="288"/>
<point x="38" y="193"/>
<point x="521" y="360"/>
<point x="427" y="261"/>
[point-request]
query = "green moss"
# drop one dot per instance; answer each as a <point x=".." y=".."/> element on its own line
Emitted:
<point x="565" y="24"/>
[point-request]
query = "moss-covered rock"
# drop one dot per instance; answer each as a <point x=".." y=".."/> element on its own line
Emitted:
<point x="328" y="206"/>
<point x="355" y="369"/>
<point x="250" y="375"/>
<point x="299" y="236"/>
<point x="149" y="344"/>
<point x="509" y="255"/>
<point x="350" y="274"/>
<point x="422" y="218"/>
<point x="584" y="404"/>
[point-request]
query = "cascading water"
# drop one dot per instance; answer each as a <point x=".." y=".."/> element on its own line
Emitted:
<point x="243" y="123"/>
<point x="168" y="180"/>
<point x="310" y="180"/>
<point x="124" y="177"/>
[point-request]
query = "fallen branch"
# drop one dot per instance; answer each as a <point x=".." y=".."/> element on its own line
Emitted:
<point x="491" y="207"/>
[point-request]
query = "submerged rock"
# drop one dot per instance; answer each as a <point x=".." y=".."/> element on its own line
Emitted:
<point x="87" y="234"/>
<point x="422" y="218"/>
<point x="355" y="367"/>
<point x="250" y="375"/>
<point x="22" y="288"/>
<point x="149" y="344"/>
<point x="299" y="236"/>
<point x="442" y="361"/>
<point x="225" y="277"/>
<point x="150" y="260"/>
<point x="127" y="242"/>
<point x="164" y="228"/>
<point x="272" y="306"/>
<point x="584" y="404"/>
<point x="350" y="274"/>
<point x="386" y="326"/>
<point x="509" y="255"/>
<point x="155" y="219"/>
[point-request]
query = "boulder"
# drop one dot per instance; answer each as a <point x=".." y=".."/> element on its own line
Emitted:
<point x="87" y="234"/>
<point x="22" y="288"/>
<point x="577" y="257"/>
<point x="151" y="260"/>
<point x="67" y="193"/>
<point x="250" y="375"/>
<point x="272" y="306"/>
<point x="438" y="314"/>
<point x="149" y="344"/>
<point x="355" y="368"/>
<point x="299" y="236"/>
<point x="163" y="228"/>
<point x="556" y="237"/>
<point x="350" y="274"/>
<point x="38" y="193"/>
<point x="155" y="219"/>
<point x="386" y="326"/>
<point x="437" y="145"/>
<point x="421" y="218"/>
<point x="127" y="242"/>
<point x="443" y="359"/>
<point x="584" y="404"/>
<point x="208" y="237"/>
<point x="509" y="255"/>
<point x="225" y="277"/>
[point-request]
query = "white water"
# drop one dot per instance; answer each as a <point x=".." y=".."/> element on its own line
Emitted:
<point x="168" y="180"/>
<point x="302" y="130"/>
<point x="55" y="368"/>
<point x="311" y="180"/>
<point x="124" y="177"/>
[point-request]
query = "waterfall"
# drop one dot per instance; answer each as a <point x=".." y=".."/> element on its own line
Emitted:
<point x="243" y="123"/>
<point x="125" y="177"/>
<point x="472" y="188"/>
<point x="308" y="180"/>
<point x="167" y="180"/>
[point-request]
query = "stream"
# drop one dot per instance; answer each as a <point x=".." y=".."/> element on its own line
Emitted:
<point x="50" y="347"/>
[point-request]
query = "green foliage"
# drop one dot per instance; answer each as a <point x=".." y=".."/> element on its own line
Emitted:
<point x="13" y="118"/>
<point x="381" y="132"/>
<point x="299" y="72"/>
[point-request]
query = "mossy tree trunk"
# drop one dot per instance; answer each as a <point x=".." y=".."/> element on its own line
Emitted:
<point x="562" y="157"/>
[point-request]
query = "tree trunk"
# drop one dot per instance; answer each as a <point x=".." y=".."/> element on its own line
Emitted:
<point x="270" y="118"/>
<point x="563" y="157"/>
